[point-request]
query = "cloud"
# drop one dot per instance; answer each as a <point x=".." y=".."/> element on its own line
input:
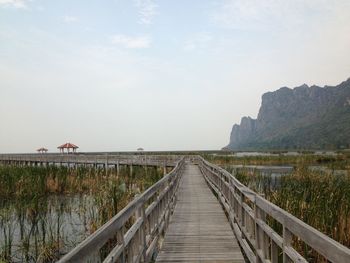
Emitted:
<point x="13" y="3"/>
<point x="248" y="14"/>
<point x="146" y="10"/>
<point x="199" y="41"/>
<point x="70" y="19"/>
<point x="132" y="42"/>
<point x="261" y="14"/>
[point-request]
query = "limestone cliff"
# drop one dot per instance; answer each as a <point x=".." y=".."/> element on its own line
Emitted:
<point x="304" y="117"/>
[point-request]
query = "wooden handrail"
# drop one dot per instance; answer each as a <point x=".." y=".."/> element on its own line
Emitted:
<point x="109" y="159"/>
<point x="247" y="212"/>
<point x="151" y="212"/>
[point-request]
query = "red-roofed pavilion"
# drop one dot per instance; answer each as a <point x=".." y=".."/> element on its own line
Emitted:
<point x="68" y="146"/>
<point x="42" y="150"/>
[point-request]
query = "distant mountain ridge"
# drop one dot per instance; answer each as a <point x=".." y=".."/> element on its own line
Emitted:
<point x="300" y="118"/>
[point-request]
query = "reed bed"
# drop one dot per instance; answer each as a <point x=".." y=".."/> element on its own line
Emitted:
<point x="320" y="199"/>
<point x="338" y="161"/>
<point x="46" y="211"/>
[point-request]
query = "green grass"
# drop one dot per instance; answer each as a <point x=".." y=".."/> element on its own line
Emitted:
<point x="24" y="198"/>
<point x="339" y="161"/>
<point x="321" y="200"/>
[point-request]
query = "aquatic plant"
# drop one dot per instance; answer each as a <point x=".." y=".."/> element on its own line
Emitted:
<point x="320" y="199"/>
<point x="337" y="161"/>
<point x="52" y="208"/>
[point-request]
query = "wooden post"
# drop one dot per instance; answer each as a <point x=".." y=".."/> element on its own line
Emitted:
<point x="287" y="242"/>
<point x="274" y="252"/>
<point x="106" y="165"/>
<point x="242" y="215"/>
<point x="261" y="243"/>
<point x="120" y="239"/>
<point x="130" y="250"/>
<point x="142" y="242"/>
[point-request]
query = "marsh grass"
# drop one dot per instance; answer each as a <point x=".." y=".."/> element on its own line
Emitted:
<point x="320" y="199"/>
<point x="339" y="161"/>
<point x="40" y="206"/>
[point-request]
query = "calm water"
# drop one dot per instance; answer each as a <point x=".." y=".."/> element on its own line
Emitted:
<point x="278" y="170"/>
<point x="33" y="231"/>
<point x="270" y="174"/>
<point x="247" y="154"/>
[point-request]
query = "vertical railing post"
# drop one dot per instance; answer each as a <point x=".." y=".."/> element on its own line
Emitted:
<point x="138" y="215"/>
<point x="106" y="165"/>
<point x="242" y="215"/>
<point x="130" y="253"/>
<point x="143" y="232"/>
<point x="287" y="242"/>
<point x="166" y="210"/>
<point x="120" y="239"/>
<point x="261" y="241"/>
<point x="274" y="252"/>
<point x="232" y="198"/>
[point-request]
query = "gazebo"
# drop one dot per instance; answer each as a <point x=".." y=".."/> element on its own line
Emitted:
<point x="68" y="146"/>
<point x="42" y="150"/>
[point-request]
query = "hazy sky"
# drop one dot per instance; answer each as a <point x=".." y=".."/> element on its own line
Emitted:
<point x="163" y="75"/>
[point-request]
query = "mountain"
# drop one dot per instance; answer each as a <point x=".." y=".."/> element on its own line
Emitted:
<point x="300" y="118"/>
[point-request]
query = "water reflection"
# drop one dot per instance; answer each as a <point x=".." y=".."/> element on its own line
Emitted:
<point x="279" y="153"/>
<point x="40" y="230"/>
<point x="267" y="177"/>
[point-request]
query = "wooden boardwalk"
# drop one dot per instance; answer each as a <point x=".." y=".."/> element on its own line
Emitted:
<point x="199" y="230"/>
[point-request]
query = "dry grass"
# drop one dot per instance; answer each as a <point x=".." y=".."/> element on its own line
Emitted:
<point x="321" y="200"/>
<point x="339" y="161"/>
<point x="24" y="192"/>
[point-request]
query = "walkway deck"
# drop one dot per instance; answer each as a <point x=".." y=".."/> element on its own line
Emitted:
<point x="199" y="230"/>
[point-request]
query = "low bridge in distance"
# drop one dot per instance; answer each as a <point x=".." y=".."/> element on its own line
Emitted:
<point x="198" y="212"/>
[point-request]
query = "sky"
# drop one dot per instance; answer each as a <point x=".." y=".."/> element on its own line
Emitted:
<point x="115" y="75"/>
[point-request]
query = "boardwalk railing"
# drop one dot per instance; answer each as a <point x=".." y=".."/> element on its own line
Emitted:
<point x="248" y="213"/>
<point x="104" y="159"/>
<point x="148" y="214"/>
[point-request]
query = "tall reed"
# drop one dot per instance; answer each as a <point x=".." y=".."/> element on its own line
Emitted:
<point x="45" y="211"/>
<point x="338" y="161"/>
<point x="320" y="199"/>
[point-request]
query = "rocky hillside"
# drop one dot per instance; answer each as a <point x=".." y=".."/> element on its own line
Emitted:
<point x="300" y="118"/>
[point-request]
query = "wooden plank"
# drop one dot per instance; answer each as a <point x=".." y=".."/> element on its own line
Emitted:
<point x="324" y="245"/>
<point x="95" y="241"/>
<point x="82" y="159"/>
<point x="199" y="230"/>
